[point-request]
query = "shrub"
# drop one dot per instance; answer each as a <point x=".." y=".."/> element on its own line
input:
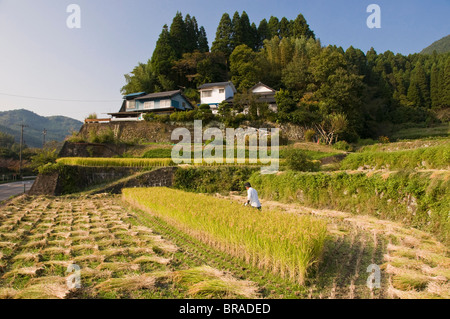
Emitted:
<point x="309" y="135"/>
<point x="106" y="137"/>
<point x="158" y="153"/>
<point x="383" y="139"/>
<point x="149" y="117"/>
<point x="43" y="157"/>
<point x="174" y="117"/>
<point x="181" y="116"/>
<point x="192" y="94"/>
<point x="366" y="142"/>
<point x="75" y="138"/>
<point x="204" y="107"/>
<point x="190" y="115"/>
<point x="7" y="153"/>
<point x="212" y="179"/>
<point x="50" y="168"/>
<point x="163" y="118"/>
<point x="298" y="160"/>
<point x="343" y="146"/>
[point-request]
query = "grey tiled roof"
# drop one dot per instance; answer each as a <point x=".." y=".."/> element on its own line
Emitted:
<point x="159" y="95"/>
<point x="208" y="85"/>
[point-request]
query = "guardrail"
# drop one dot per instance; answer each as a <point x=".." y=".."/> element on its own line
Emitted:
<point x="96" y="120"/>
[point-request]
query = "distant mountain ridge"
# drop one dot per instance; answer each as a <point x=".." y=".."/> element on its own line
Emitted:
<point x="57" y="127"/>
<point x="440" y="46"/>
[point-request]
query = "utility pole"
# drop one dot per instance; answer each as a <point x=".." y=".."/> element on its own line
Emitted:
<point x="21" y="146"/>
<point x="44" y="133"/>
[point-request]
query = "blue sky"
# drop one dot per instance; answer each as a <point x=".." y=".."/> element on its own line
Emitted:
<point x="40" y="57"/>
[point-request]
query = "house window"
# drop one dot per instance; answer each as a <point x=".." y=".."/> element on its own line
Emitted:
<point x="165" y="103"/>
<point x="131" y="104"/>
<point x="207" y="93"/>
<point x="149" y="105"/>
<point x="221" y="91"/>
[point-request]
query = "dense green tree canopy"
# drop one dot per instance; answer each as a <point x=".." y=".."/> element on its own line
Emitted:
<point x="317" y="85"/>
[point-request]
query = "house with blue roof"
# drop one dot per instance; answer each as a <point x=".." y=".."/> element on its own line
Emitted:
<point x="136" y="104"/>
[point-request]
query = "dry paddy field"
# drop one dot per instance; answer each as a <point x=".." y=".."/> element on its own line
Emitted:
<point x="41" y="237"/>
<point x="124" y="252"/>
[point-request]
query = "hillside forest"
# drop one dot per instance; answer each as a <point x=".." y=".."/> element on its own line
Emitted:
<point x="361" y="95"/>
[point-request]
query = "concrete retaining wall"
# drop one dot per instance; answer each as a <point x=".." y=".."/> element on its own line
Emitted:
<point x="72" y="179"/>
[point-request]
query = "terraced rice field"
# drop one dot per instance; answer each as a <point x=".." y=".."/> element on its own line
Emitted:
<point x="153" y="162"/>
<point x="413" y="264"/>
<point x="41" y="238"/>
<point x="284" y="244"/>
<point x="125" y="252"/>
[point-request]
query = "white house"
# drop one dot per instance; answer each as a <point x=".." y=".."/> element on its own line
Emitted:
<point x="215" y="93"/>
<point x="265" y="94"/>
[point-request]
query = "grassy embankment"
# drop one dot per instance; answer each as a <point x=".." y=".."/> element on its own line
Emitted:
<point x="418" y="132"/>
<point x="417" y="199"/>
<point x="432" y="157"/>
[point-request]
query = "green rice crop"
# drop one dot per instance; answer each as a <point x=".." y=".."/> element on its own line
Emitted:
<point x="142" y="162"/>
<point x="286" y="244"/>
<point x="126" y="162"/>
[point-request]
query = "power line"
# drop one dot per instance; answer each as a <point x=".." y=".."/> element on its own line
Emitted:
<point x="59" y="100"/>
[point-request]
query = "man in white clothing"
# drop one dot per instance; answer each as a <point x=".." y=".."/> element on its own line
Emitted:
<point x="252" y="196"/>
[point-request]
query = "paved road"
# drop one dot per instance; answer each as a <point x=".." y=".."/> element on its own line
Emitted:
<point x="10" y="189"/>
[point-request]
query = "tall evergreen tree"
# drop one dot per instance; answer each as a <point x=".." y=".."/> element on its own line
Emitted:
<point x="164" y="54"/>
<point x="434" y="87"/>
<point x="246" y="32"/>
<point x="192" y="33"/>
<point x="242" y="31"/>
<point x="254" y="36"/>
<point x="263" y="33"/>
<point x="414" y="91"/>
<point x="301" y="28"/>
<point x="274" y="27"/>
<point x="357" y="60"/>
<point x="285" y="28"/>
<point x="179" y="35"/>
<point x="441" y="66"/>
<point x="235" y="25"/>
<point x="446" y="83"/>
<point x="400" y="88"/>
<point x="224" y="34"/>
<point x="202" y="40"/>
<point x="422" y="83"/>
